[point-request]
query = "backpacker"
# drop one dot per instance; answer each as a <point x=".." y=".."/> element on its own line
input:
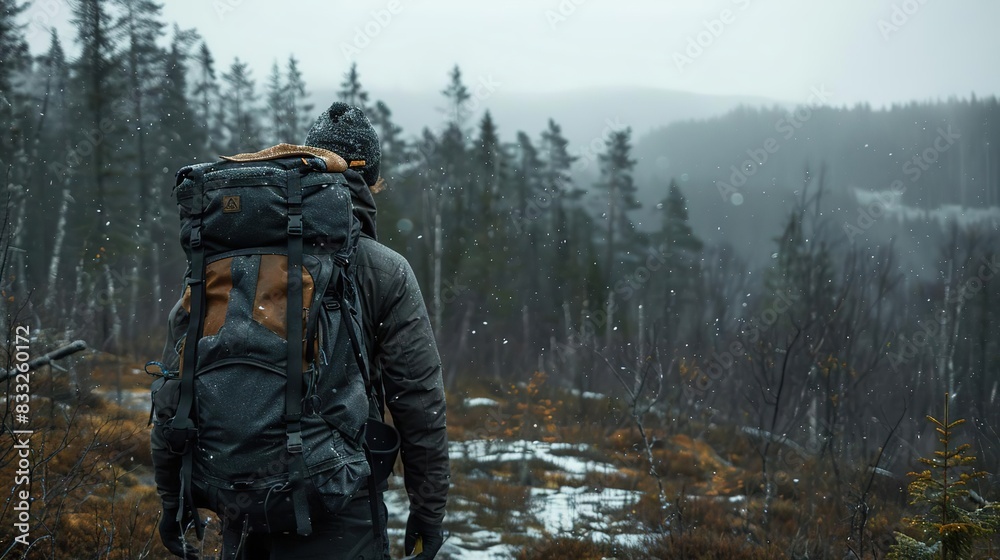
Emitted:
<point x="269" y="407"/>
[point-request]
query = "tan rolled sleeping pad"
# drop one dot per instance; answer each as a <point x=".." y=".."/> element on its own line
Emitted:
<point x="334" y="163"/>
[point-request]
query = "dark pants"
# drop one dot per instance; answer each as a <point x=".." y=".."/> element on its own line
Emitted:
<point x="345" y="536"/>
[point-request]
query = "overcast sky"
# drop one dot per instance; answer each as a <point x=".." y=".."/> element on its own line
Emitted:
<point x="861" y="50"/>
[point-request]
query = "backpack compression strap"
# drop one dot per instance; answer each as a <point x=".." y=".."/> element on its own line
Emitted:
<point x="293" y="380"/>
<point x="181" y="432"/>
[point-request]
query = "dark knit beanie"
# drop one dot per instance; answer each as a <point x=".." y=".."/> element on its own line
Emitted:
<point x="346" y="131"/>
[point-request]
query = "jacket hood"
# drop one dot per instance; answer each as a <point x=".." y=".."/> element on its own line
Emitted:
<point x="364" y="202"/>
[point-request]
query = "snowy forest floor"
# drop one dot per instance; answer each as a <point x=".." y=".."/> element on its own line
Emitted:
<point x="537" y="473"/>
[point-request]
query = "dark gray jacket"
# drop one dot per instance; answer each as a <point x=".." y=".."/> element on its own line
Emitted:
<point x="404" y="358"/>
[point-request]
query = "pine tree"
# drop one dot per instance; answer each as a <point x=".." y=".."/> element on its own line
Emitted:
<point x="488" y="256"/>
<point x="803" y="268"/>
<point x="390" y="136"/>
<point x="681" y="251"/>
<point x="179" y="114"/>
<point x="276" y="108"/>
<point x="617" y="181"/>
<point x="96" y="79"/>
<point x="298" y="113"/>
<point x="108" y="233"/>
<point x="528" y="213"/>
<point x="13" y="47"/>
<point x="14" y="59"/>
<point x="52" y="143"/>
<point x="139" y="24"/>
<point x="351" y="91"/>
<point x="949" y="531"/>
<point x="242" y="126"/>
<point x="180" y="138"/>
<point x="557" y="183"/>
<point x="206" y="93"/>
<point x="490" y="165"/>
<point x="457" y="96"/>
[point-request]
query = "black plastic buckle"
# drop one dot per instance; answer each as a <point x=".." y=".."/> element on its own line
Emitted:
<point x="196" y="236"/>
<point x="294" y="444"/>
<point x="242" y="485"/>
<point x="178" y="439"/>
<point x="294" y="224"/>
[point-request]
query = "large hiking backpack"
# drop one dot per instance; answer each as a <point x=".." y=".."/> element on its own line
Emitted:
<point x="269" y="408"/>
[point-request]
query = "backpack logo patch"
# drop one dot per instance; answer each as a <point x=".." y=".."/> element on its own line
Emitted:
<point x="230" y="204"/>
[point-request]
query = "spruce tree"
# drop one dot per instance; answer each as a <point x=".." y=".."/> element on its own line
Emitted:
<point x="617" y="181"/>
<point x="948" y="531"/>
<point x="527" y="234"/>
<point x="242" y="125"/>
<point x="13" y="47"/>
<point x="275" y="108"/>
<point x="562" y="196"/>
<point x="140" y="26"/>
<point x="351" y="91"/>
<point x="206" y="100"/>
<point x="391" y="138"/>
<point x="96" y="79"/>
<point x="180" y="138"/>
<point x="298" y="113"/>
<point x="102" y="113"/>
<point x="678" y="246"/>
<point x="457" y="96"/>
<point x="488" y="254"/>
<point x="51" y="144"/>
<point x="14" y="60"/>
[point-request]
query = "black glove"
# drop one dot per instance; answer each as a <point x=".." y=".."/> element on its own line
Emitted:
<point x="426" y="537"/>
<point x="171" y="534"/>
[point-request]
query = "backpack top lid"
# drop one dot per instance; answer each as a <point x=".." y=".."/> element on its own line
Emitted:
<point x="241" y="202"/>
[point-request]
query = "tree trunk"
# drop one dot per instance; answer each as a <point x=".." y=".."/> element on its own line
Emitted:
<point x="60" y="236"/>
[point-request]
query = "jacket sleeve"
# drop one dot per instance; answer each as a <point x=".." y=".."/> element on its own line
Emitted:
<point x="410" y="368"/>
<point x="166" y="466"/>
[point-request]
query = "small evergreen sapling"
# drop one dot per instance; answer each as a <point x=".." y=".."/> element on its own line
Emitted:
<point x="949" y="531"/>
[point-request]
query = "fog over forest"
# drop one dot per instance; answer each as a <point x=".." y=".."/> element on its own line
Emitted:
<point x="708" y="279"/>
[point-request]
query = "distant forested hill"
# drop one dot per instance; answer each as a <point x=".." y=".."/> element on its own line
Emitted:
<point x="740" y="171"/>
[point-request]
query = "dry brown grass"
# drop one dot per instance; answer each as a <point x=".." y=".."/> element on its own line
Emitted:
<point x="565" y="549"/>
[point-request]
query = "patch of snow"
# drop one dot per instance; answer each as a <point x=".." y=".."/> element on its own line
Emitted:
<point x="480" y="401"/>
<point x="493" y="451"/>
<point x="587" y="394"/>
<point x="569" y="510"/>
